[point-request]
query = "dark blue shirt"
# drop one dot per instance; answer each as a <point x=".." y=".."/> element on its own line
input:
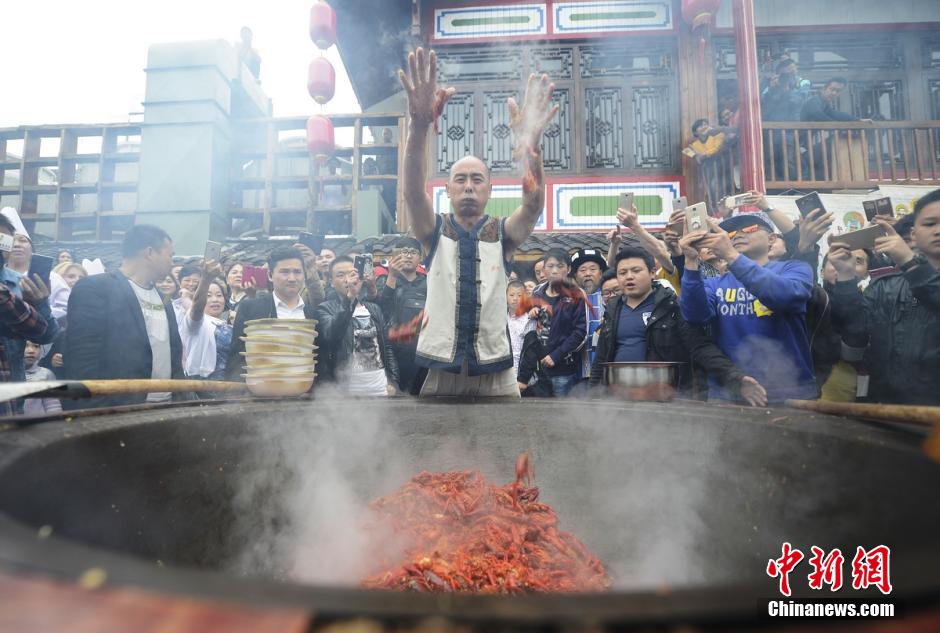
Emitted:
<point x="631" y="332"/>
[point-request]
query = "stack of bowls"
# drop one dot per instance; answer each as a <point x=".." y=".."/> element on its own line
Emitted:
<point x="280" y="356"/>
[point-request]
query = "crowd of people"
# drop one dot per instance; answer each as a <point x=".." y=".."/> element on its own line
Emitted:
<point x="744" y="304"/>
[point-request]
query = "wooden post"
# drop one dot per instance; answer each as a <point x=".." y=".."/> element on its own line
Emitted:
<point x="697" y="100"/>
<point x="752" y="146"/>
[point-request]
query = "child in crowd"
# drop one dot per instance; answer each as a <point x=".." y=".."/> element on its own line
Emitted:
<point x="35" y="373"/>
<point x="519" y="326"/>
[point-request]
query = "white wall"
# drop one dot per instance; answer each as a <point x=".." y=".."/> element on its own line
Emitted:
<point x="820" y="12"/>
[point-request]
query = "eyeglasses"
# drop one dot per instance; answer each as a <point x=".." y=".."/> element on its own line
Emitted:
<point x="754" y="228"/>
<point x="607" y="294"/>
<point x="408" y="252"/>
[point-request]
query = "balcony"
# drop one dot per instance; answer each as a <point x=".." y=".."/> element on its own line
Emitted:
<point x="852" y="155"/>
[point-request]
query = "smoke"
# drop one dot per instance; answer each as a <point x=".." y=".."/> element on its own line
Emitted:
<point x="303" y="504"/>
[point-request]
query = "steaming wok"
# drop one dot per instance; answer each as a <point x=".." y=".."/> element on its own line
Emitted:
<point x="210" y="500"/>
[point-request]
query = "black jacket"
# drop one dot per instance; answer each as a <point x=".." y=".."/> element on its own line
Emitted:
<point x="898" y="320"/>
<point x="106" y="337"/>
<point x="668" y="339"/>
<point x="334" y="322"/>
<point x="261" y="307"/>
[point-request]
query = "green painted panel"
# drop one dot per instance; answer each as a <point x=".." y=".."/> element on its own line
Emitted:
<point x="612" y="15"/>
<point x="506" y="19"/>
<point x="502" y="207"/>
<point x="606" y="206"/>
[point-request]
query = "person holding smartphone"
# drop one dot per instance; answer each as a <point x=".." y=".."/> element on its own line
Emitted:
<point x="402" y="299"/>
<point x="354" y="337"/>
<point x="757" y="310"/>
<point x="19" y="322"/>
<point x="30" y="288"/>
<point x="895" y="323"/>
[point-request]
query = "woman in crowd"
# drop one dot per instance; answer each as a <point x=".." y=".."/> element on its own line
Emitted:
<point x="64" y="257"/>
<point x="205" y="332"/>
<point x="169" y="288"/>
<point x="70" y="272"/>
<point x="566" y="336"/>
<point x="234" y="279"/>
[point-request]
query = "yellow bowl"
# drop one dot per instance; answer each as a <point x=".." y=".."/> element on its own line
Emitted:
<point x="281" y="387"/>
<point x="256" y="371"/>
<point x="268" y="360"/>
<point x="282" y="336"/>
<point x="270" y="345"/>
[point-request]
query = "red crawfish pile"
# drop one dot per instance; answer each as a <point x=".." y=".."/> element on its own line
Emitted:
<point x="466" y="535"/>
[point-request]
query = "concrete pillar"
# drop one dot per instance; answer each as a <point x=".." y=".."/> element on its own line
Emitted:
<point x="193" y="91"/>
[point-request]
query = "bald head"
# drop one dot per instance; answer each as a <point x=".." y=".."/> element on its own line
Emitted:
<point x="470" y="164"/>
<point x="469" y="188"/>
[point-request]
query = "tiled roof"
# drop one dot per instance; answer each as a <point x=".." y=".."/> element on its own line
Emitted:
<point x="255" y="251"/>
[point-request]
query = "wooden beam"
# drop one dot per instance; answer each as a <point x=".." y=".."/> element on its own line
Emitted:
<point x="697" y="100"/>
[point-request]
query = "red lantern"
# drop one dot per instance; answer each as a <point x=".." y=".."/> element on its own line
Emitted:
<point x="321" y="80"/>
<point x="322" y="25"/>
<point x="699" y="12"/>
<point x="320" y="139"/>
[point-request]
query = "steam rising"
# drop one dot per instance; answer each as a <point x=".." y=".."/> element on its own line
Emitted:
<point x="304" y="504"/>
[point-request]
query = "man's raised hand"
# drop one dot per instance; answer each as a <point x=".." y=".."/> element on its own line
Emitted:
<point x="537" y="111"/>
<point x="425" y="99"/>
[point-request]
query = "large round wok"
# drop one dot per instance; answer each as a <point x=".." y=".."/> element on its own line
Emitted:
<point x="258" y="501"/>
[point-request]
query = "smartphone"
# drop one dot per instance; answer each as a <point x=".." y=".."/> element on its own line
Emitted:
<point x="41" y="265"/>
<point x="688" y="151"/>
<point x="257" y="274"/>
<point x="863" y="238"/>
<point x="626" y="200"/>
<point x="213" y="251"/>
<point x="6" y="243"/>
<point x="881" y="206"/>
<point x="733" y="202"/>
<point x="313" y="242"/>
<point x="680" y="203"/>
<point x="696" y="218"/>
<point x="361" y="263"/>
<point x="809" y="203"/>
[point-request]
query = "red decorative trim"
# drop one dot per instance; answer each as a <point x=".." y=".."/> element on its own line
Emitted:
<point x="568" y="180"/>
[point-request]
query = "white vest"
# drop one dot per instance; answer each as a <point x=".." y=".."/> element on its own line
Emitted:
<point x="465" y="313"/>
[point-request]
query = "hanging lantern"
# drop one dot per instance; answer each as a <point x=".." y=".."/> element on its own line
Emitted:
<point x="700" y="15"/>
<point x="320" y="139"/>
<point x="321" y="80"/>
<point x="322" y="25"/>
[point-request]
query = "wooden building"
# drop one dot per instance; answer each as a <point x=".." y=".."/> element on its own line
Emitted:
<point x="631" y="76"/>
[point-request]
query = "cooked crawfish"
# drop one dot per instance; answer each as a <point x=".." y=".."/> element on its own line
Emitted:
<point x="407" y="332"/>
<point x="466" y="535"/>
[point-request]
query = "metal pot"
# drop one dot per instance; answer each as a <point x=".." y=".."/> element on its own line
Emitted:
<point x="643" y="381"/>
<point x="683" y="503"/>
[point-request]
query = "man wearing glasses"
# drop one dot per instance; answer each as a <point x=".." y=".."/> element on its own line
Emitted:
<point x="402" y="299"/>
<point x="756" y="310"/>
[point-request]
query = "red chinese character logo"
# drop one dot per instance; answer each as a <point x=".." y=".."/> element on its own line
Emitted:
<point x="826" y="570"/>
<point x="783" y="566"/>
<point x="872" y="568"/>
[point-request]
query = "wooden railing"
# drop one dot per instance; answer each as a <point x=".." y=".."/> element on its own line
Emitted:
<point x="851" y="155"/>
<point x="278" y="188"/>
<point x="71" y="181"/>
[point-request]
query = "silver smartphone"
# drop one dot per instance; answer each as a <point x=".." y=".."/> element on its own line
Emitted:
<point x="213" y="251"/>
<point x="626" y="200"/>
<point x="680" y="203"/>
<point x="862" y="238"/>
<point x="696" y="218"/>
